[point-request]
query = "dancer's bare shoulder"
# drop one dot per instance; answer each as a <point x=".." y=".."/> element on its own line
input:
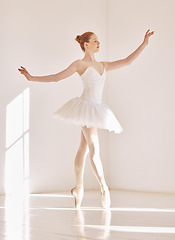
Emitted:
<point x="67" y="72"/>
<point x="82" y="65"/>
<point x="77" y="66"/>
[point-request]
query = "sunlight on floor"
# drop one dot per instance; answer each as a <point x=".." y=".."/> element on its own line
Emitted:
<point x="16" y="217"/>
<point x="134" y="229"/>
<point x="54" y="216"/>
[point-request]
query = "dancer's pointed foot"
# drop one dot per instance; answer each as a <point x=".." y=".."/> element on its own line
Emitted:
<point x="105" y="197"/>
<point x="78" y="193"/>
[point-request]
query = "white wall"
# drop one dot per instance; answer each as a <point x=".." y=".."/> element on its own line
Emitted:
<point x="142" y="96"/>
<point x="40" y="36"/>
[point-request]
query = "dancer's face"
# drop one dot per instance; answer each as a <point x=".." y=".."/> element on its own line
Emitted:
<point x="93" y="44"/>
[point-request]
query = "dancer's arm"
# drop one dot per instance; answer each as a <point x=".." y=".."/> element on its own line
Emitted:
<point x="128" y="60"/>
<point x="71" y="69"/>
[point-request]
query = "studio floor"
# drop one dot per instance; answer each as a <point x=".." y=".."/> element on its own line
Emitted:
<point x="132" y="216"/>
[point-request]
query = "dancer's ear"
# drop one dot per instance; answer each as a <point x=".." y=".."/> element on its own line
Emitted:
<point x="85" y="44"/>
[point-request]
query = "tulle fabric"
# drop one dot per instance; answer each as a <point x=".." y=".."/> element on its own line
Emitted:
<point x="87" y="113"/>
<point x="88" y="110"/>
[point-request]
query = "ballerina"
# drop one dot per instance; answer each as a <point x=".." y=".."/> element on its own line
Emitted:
<point x="88" y="111"/>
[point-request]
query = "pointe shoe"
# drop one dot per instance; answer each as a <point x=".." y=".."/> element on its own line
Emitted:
<point x="105" y="197"/>
<point x="78" y="193"/>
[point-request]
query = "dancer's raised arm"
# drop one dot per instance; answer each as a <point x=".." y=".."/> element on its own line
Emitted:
<point x="71" y="69"/>
<point x="128" y="60"/>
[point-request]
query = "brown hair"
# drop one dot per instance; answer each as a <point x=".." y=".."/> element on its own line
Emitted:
<point x="85" y="37"/>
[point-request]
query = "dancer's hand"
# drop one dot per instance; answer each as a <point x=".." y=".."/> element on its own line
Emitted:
<point x="25" y="73"/>
<point x="147" y="35"/>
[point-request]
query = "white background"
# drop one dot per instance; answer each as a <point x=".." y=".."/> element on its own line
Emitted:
<point x="40" y="36"/>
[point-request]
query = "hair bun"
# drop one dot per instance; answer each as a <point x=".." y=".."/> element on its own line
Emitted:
<point x="78" y="38"/>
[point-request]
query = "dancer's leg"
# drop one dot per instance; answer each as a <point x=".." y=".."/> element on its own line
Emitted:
<point x="91" y="136"/>
<point x="80" y="159"/>
<point x="79" y="164"/>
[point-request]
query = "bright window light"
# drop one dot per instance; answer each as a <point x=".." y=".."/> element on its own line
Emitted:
<point x="17" y="144"/>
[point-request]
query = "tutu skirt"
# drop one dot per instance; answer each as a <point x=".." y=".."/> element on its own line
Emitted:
<point x="88" y="113"/>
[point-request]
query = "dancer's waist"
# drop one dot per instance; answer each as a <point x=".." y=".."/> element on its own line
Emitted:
<point x="91" y="97"/>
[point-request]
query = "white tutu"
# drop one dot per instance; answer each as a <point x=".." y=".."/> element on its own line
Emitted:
<point x="88" y="110"/>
